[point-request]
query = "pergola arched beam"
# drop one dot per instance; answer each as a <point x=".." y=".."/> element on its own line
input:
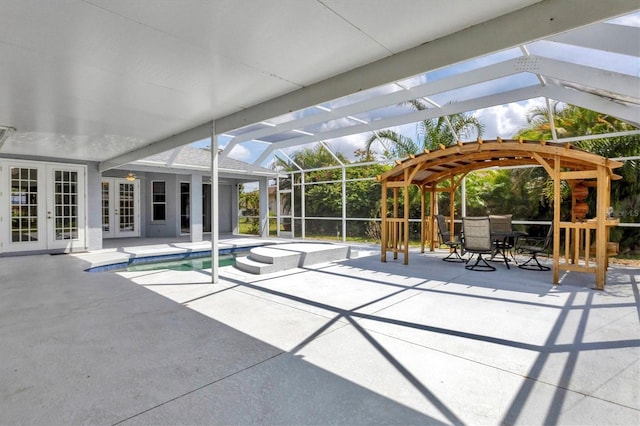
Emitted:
<point x="499" y="149"/>
<point x="437" y="178"/>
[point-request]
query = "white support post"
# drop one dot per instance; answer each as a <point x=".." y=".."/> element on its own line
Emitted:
<point x="293" y="210"/>
<point x="302" y="204"/>
<point x="215" y="214"/>
<point x="278" y="218"/>
<point x="264" y="207"/>
<point x="344" y="203"/>
<point x="195" y="207"/>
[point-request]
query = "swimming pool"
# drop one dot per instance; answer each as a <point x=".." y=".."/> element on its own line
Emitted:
<point x="188" y="261"/>
<point x="191" y="264"/>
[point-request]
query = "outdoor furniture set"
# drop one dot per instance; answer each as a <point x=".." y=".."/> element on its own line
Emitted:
<point x="492" y="236"/>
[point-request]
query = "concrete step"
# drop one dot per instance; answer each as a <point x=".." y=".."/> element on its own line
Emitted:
<point x="252" y="267"/>
<point x="280" y="257"/>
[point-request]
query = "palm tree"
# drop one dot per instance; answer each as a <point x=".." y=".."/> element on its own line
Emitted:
<point x="571" y="121"/>
<point x="432" y="133"/>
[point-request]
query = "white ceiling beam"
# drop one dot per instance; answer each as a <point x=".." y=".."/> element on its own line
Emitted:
<point x="330" y="151"/>
<point x="593" y="77"/>
<point x="614" y="82"/>
<point x="174" y="156"/>
<point x="476" y="76"/>
<point x="534" y="22"/>
<point x="614" y="38"/>
<point x="628" y="113"/>
<point x="412" y="117"/>
<point x="192" y="135"/>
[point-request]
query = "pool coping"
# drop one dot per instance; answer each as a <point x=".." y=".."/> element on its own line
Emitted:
<point x="108" y="260"/>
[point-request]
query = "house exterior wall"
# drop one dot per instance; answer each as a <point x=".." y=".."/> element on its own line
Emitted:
<point x="169" y="227"/>
<point x="226" y="207"/>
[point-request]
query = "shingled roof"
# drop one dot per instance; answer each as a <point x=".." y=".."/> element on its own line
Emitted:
<point x="192" y="158"/>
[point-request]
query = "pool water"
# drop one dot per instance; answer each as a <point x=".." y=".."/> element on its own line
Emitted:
<point x="192" y="264"/>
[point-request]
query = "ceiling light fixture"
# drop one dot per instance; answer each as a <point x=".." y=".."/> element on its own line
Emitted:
<point x="130" y="177"/>
<point x="5" y="131"/>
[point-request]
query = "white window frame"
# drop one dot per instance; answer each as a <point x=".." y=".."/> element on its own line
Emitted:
<point x="154" y="203"/>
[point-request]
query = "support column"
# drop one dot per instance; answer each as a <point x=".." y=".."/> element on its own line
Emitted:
<point x="303" y="231"/>
<point x="215" y="214"/>
<point x="195" y="207"/>
<point x="278" y="209"/>
<point x="406" y="219"/>
<point x="384" y="235"/>
<point x="423" y="231"/>
<point x="602" y="203"/>
<point x="463" y="199"/>
<point x="344" y="204"/>
<point x="264" y="207"/>
<point x="556" y="220"/>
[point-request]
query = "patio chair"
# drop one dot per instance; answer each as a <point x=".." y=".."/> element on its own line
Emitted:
<point x="445" y="238"/>
<point x="532" y="247"/>
<point x="502" y="235"/>
<point x="477" y="240"/>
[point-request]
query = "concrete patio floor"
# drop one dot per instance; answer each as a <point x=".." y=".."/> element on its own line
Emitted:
<point x="350" y="342"/>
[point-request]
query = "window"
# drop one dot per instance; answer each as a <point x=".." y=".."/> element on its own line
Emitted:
<point x="158" y="200"/>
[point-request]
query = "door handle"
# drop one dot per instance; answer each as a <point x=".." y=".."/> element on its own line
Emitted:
<point x="48" y="215"/>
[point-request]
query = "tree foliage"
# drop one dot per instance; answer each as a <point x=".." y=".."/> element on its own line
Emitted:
<point x="431" y="133"/>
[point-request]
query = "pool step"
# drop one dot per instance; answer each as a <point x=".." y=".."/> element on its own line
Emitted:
<point x="280" y="257"/>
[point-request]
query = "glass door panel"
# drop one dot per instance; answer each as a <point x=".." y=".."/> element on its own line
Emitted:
<point x="24" y="205"/>
<point x="45" y="207"/>
<point x="105" y="209"/>
<point x="65" y="207"/>
<point x="120" y="208"/>
<point x="127" y="209"/>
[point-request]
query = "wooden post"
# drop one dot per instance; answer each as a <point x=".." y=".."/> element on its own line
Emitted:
<point x="395" y="223"/>
<point x="406" y="216"/>
<point x="433" y="212"/>
<point x="556" y="220"/>
<point x="452" y="206"/>
<point x="384" y="235"/>
<point x="423" y="231"/>
<point x="601" y="232"/>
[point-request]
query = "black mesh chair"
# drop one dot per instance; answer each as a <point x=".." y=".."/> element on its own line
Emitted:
<point x="477" y="240"/>
<point x="532" y="247"/>
<point x="502" y="235"/>
<point x="445" y="238"/>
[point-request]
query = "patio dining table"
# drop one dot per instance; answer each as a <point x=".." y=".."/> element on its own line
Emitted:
<point x="505" y="242"/>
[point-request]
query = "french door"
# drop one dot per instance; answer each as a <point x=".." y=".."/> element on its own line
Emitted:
<point x="42" y="206"/>
<point x="120" y="208"/>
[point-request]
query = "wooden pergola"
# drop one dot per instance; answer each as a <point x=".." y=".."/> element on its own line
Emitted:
<point x="452" y="163"/>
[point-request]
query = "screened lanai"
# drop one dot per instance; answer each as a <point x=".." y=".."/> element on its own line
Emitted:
<point x="93" y="89"/>
<point x="135" y="83"/>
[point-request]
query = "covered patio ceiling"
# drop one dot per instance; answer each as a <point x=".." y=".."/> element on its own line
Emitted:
<point x="117" y="81"/>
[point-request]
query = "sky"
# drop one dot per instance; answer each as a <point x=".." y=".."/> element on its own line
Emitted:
<point x="500" y="121"/>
